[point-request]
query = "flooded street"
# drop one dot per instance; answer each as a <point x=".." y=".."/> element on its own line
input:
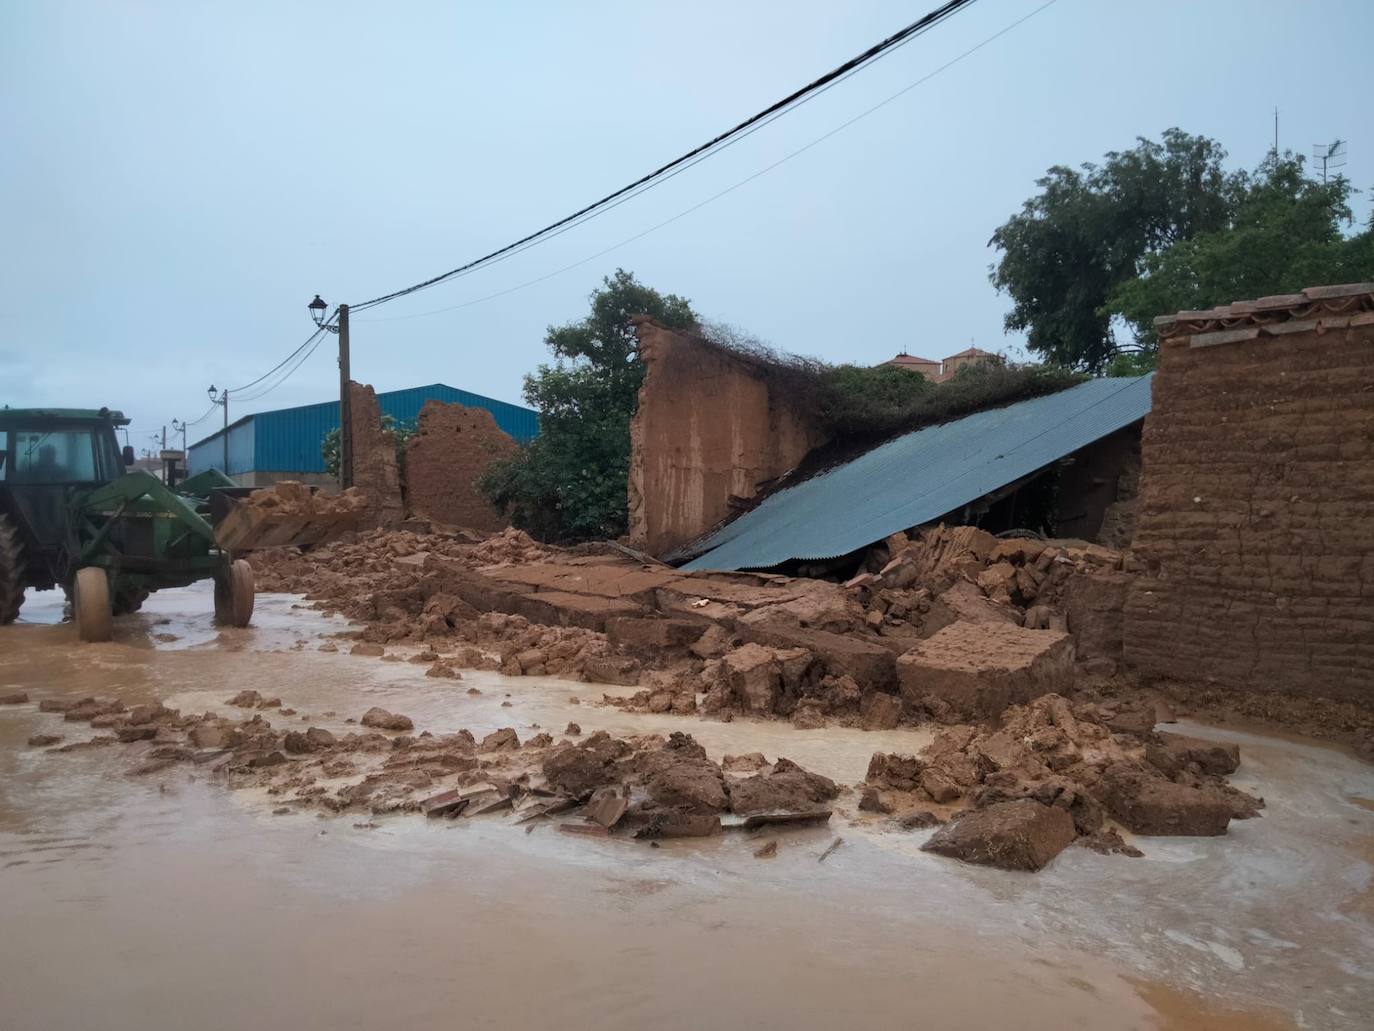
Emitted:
<point x="169" y="901"/>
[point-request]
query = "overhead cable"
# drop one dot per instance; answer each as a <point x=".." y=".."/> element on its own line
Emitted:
<point x="713" y="145"/>
<point x="729" y="189"/>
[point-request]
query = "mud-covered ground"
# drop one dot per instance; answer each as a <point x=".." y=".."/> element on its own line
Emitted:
<point x="171" y="899"/>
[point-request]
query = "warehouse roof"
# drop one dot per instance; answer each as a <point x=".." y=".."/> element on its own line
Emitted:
<point x="923" y="475"/>
<point x="288" y="439"/>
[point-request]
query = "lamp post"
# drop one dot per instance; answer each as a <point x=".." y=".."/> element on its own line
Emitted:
<point x="317" y="309"/>
<point x="222" y="399"/>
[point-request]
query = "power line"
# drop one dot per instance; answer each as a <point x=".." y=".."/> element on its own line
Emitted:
<point x="713" y="145"/>
<point x="308" y="341"/>
<point x="208" y="412"/>
<point x="730" y="189"/>
<point x="320" y="337"/>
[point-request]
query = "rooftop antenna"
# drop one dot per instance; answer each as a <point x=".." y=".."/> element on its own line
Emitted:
<point x="1331" y="155"/>
<point x="1276" y="134"/>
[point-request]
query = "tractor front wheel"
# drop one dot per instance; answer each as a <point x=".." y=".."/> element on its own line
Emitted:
<point x="234" y="593"/>
<point x="91" y="605"/>
<point x="11" y="572"/>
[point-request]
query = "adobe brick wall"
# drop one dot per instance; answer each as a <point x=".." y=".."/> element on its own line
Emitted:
<point x="708" y="426"/>
<point x="1256" y="513"/>
<point x="375" y="473"/>
<point x="452" y="448"/>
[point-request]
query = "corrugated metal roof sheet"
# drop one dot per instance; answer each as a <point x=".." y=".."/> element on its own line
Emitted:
<point x="923" y="475"/>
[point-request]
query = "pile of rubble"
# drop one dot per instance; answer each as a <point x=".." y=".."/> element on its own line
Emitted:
<point x="1052" y="772"/>
<point x="290" y="497"/>
<point x="952" y="625"/>
<point x="654" y="786"/>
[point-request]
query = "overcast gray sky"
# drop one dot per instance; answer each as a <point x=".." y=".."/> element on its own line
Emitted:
<point x="179" y="178"/>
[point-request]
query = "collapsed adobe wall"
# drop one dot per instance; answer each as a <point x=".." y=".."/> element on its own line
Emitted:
<point x="452" y="447"/>
<point x="1256" y="514"/>
<point x="709" y="426"/>
<point x="375" y="472"/>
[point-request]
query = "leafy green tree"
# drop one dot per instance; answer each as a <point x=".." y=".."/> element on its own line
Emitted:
<point x="1091" y="229"/>
<point x="398" y="432"/>
<point x="570" y="483"/>
<point x="1285" y="233"/>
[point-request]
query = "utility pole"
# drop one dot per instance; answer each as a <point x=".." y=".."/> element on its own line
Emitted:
<point x="216" y="398"/>
<point x="317" y="308"/>
<point x="345" y="405"/>
<point x="225" y="402"/>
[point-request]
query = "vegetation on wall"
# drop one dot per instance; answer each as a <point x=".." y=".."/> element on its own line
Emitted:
<point x="398" y="432"/>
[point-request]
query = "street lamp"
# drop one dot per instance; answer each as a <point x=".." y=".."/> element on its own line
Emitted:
<point x="317" y="309"/>
<point x="217" y="398"/>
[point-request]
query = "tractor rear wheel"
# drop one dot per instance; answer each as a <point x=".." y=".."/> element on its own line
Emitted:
<point x="91" y="605"/>
<point x="11" y="572"/>
<point x="234" y="594"/>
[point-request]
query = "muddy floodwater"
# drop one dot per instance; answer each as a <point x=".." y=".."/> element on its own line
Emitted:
<point x="171" y="902"/>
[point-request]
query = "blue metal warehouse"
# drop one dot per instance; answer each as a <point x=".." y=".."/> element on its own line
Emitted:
<point x="285" y="444"/>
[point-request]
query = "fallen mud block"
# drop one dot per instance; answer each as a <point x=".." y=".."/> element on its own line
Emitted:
<point x="768" y="851"/>
<point x="871" y="665"/>
<point x="612" y="669"/>
<point x="786" y="787"/>
<point x="43" y="740"/>
<point x="680" y="825"/>
<point x="786" y="820"/>
<point x="879" y="711"/>
<point x="533" y="809"/>
<point x="1171" y="753"/>
<point x="488" y="803"/>
<point x="1020" y="835"/>
<point x="379" y="719"/>
<point x="446" y="803"/>
<point x="1093" y="603"/>
<point x="1145" y="804"/>
<point x="644" y="635"/>
<point x="60" y="704"/>
<point x="978" y="669"/>
<point x="607" y="806"/>
<point x="17" y="698"/>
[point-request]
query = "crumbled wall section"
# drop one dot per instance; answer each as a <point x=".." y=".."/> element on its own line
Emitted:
<point x="452" y="447"/>
<point x="708" y="427"/>
<point x="375" y="473"/>
<point x="1256" y="513"/>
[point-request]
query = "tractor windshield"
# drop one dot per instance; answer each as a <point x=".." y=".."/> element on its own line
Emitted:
<point x="65" y="455"/>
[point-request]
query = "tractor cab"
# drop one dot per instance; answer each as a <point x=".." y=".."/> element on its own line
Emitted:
<point x="47" y="454"/>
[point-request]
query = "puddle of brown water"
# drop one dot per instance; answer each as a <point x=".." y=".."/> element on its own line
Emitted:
<point x="175" y="898"/>
<point x="1185" y="1011"/>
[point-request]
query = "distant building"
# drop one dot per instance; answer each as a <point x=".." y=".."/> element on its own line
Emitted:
<point x="285" y="444"/>
<point x="938" y="372"/>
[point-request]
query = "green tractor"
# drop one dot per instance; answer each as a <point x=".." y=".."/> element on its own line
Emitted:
<point x="72" y="517"/>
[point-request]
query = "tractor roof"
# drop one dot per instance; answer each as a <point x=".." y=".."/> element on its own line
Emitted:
<point x="8" y="414"/>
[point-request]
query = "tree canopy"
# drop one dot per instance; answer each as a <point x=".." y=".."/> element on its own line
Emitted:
<point x="1284" y="233"/>
<point x="571" y="482"/>
<point x="1161" y="228"/>
<point x="1088" y="230"/>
